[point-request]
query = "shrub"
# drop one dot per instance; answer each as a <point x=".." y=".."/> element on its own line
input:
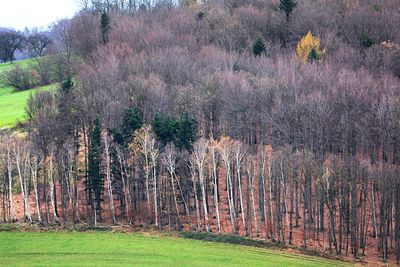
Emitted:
<point x="19" y="78"/>
<point x="228" y="239"/>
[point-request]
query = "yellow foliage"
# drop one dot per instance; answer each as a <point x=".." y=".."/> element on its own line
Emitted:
<point x="306" y="45"/>
<point x="191" y="3"/>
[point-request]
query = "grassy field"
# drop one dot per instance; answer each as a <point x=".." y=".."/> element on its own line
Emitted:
<point x="116" y="249"/>
<point x="12" y="104"/>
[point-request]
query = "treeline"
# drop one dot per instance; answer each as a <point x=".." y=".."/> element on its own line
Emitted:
<point x="222" y="116"/>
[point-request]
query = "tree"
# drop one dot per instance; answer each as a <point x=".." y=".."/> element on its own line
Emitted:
<point x="287" y="7"/>
<point x="181" y="131"/>
<point x="37" y="44"/>
<point x="19" y="78"/>
<point x="313" y="56"/>
<point x="170" y="158"/>
<point x="164" y="127"/>
<point x="131" y="121"/>
<point x="308" y="48"/>
<point x="105" y="27"/>
<point x="95" y="180"/>
<point x="10" y="41"/>
<point x="259" y="47"/>
<point x="186" y="132"/>
<point x="225" y="149"/>
<point x="141" y="146"/>
<point x="200" y="153"/>
<point x="107" y="157"/>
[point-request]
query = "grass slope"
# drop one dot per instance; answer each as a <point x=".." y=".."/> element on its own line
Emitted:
<point x="12" y="104"/>
<point x="112" y="249"/>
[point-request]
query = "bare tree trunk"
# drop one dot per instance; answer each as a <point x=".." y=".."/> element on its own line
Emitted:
<point x="34" y="171"/>
<point x="239" y="158"/>
<point x="283" y="183"/>
<point x="250" y="175"/>
<point x="230" y="195"/>
<point x="200" y="152"/>
<point x="13" y="212"/>
<point x="170" y="158"/>
<point x="17" y="155"/>
<point x="374" y="224"/>
<point x="52" y="187"/>
<point x="125" y="184"/>
<point x="154" y="155"/>
<point x="193" y="172"/>
<point x="108" y="176"/>
<point x="215" y="183"/>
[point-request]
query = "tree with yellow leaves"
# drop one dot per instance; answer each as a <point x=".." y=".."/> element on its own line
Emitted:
<point x="308" y="48"/>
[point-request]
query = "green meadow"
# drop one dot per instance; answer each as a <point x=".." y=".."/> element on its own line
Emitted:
<point x="12" y="104"/>
<point x="137" y="249"/>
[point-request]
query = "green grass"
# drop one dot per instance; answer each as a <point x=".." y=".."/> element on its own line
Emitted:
<point x="122" y="249"/>
<point x="22" y="63"/>
<point x="12" y="104"/>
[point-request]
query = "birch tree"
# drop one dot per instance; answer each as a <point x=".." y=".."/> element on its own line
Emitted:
<point x="214" y="158"/>
<point x="239" y="154"/>
<point x="20" y="155"/>
<point x="107" y="158"/>
<point x="170" y="157"/>
<point x="154" y="153"/>
<point x="200" y="149"/>
<point x="225" y="148"/>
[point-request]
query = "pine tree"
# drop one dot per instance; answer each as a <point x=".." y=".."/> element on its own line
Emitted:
<point x="258" y="47"/>
<point x="164" y="127"/>
<point x="131" y="121"/>
<point x="287" y="7"/>
<point x="105" y="27"/>
<point x="185" y="132"/>
<point x="313" y="55"/>
<point x="95" y="179"/>
<point x="236" y="67"/>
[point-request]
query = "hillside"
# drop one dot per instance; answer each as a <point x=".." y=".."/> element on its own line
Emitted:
<point x="274" y="120"/>
<point x="12" y="104"/>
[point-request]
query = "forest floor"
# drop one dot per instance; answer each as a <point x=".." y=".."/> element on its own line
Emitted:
<point x="91" y="248"/>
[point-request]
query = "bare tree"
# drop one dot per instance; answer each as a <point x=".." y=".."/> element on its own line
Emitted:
<point x="170" y="157"/>
<point x="10" y="41"/>
<point x="37" y="44"/>
<point x="200" y="150"/>
<point x="107" y="158"/>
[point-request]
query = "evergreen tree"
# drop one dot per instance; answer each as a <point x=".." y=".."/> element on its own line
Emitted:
<point x="66" y="115"/>
<point x="186" y="132"/>
<point x="313" y="56"/>
<point x="236" y="67"/>
<point x="67" y="85"/>
<point x="181" y="131"/>
<point x="258" y="47"/>
<point x="164" y="127"/>
<point x="131" y="121"/>
<point x="95" y="179"/>
<point x="105" y="27"/>
<point x="287" y="7"/>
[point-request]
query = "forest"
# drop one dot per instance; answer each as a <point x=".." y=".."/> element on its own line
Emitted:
<point x="271" y="119"/>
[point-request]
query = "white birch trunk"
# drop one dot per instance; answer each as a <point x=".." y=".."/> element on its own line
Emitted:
<point x="10" y="186"/>
<point x="215" y="182"/>
<point x="108" y="176"/>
